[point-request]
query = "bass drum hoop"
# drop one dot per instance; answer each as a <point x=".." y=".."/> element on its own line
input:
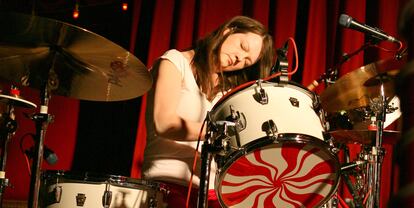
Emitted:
<point x="293" y="138"/>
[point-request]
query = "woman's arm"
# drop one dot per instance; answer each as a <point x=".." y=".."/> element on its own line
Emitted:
<point x="167" y="94"/>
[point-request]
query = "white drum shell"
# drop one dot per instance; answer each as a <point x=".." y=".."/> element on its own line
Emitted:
<point x="134" y="193"/>
<point x="288" y="118"/>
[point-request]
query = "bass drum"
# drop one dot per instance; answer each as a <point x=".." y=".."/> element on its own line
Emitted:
<point x="274" y="153"/>
<point x="68" y="189"/>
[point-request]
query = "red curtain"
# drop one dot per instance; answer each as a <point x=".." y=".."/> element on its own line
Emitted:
<point x="313" y="24"/>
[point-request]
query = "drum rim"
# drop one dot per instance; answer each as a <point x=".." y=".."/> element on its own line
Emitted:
<point x="261" y="142"/>
<point x="51" y="176"/>
<point x="311" y="94"/>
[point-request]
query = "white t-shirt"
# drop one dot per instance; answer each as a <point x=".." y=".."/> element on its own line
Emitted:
<point x="170" y="160"/>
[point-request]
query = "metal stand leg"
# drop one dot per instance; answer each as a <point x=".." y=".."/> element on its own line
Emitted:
<point x="210" y="148"/>
<point x="42" y="121"/>
<point x="377" y="153"/>
<point x="6" y="131"/>
<point x="204" y="175"/>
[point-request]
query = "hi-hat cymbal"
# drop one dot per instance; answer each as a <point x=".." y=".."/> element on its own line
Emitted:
<point x="74" y="62"/>
<point x="366" y="137"/>
<point x="356" y="88"/>
<point x="17" y="101"/>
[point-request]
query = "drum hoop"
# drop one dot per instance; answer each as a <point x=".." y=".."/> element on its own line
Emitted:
<point x="289" y="84"/>
<point x="51" y="177"/>
<point x="285" y="137"/>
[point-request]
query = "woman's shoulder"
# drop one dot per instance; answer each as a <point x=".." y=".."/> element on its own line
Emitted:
<point x="177" y="58"/>
<point x="173" y="54"/>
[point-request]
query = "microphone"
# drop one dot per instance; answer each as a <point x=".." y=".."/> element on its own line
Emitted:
<point x="48" y="154"/>
<point x="349" y="22"/>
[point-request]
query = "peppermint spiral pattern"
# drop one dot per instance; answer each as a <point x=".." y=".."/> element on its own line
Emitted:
<point x="280" y="175"/>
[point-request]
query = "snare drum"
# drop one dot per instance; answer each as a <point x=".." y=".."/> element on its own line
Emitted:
<point x="274" y="153"/>
<point x="66" y="189"/>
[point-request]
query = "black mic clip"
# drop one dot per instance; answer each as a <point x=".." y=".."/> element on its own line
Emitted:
<point x="282" y="63"/>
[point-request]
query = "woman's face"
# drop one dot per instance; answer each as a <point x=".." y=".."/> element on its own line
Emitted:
<point x="240" y="50"/>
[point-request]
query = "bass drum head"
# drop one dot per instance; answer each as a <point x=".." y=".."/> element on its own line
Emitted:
<point x="293" y="171"/>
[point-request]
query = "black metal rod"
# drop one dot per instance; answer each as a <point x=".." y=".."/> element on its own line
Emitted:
<point x="42" y="120"/>
<point x="351" y="188"/>
<point x="204" y="175"/>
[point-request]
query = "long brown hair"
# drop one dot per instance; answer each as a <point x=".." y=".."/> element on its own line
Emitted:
<point x="206" y="57"/>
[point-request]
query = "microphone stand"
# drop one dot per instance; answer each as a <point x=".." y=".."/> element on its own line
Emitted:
<point x="42" y="120"/>
<point x="332" y="72"/>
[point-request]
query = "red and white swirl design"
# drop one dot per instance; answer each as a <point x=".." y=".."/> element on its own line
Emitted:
<point x="279" y="175"/>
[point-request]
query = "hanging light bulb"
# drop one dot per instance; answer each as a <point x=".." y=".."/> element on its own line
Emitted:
<point x="124" y="6"/>
<point x="75" y="13"/>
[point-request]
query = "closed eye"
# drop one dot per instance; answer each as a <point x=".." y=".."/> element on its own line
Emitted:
<point x="244" y="46"/>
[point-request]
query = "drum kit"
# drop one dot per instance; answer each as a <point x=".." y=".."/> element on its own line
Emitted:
<point x="275" y="143"/>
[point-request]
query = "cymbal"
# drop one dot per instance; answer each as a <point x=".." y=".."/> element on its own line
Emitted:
<point x="363" y="136"/>
<point x="356" y="88"/>
<point x="17" y="101"/>
<point x="72" y="61"/>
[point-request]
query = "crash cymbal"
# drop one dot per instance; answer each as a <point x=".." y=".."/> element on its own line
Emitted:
<point x="353" y="91"/>
<point x="74" y="62"/>
<point x="16" y="101"/>
<point x="366" y="137"/>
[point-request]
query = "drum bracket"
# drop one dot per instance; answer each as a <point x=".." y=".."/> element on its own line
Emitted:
<point x="261" y="96"/>
<point x="107" y="196"/>
<point x="270" y="128"/>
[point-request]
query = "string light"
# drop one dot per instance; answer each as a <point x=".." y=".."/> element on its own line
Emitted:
<point x="75" y="13"/>
<point x="124" y="6"/>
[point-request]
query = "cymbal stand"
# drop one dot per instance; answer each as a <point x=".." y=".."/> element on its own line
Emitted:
<point x="42" y="120"/>
<point x="377" y="154"/>
<point x="7" y="130"/>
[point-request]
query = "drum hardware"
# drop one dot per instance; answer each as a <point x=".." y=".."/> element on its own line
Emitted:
<point x="261" y="96"/>
<point x="80" y="200"/>
<point x="332" y="203"/>
<point x="352" y="165"/>
<point x="353" y="168"/>
<point x="270" y="128"/>
<point x="107" y="196"/>
<point x="97" y="190"/>
<point x="331" y="142"/>
<point x="8" y="127"/>
<point x="282" y="63"/>
<point x="351" y="90"/>
<point x="59" y="58"/>
<point x="206" y="155"/>
<point x="294" y="102"/>
<point x="357" y="202"/>
<point x="370" y="134"/>
<point x="58" y="194"/>
<point x="239" y="120"/>
<point x="271" y="156"/>
<point x="53" y="196"/>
